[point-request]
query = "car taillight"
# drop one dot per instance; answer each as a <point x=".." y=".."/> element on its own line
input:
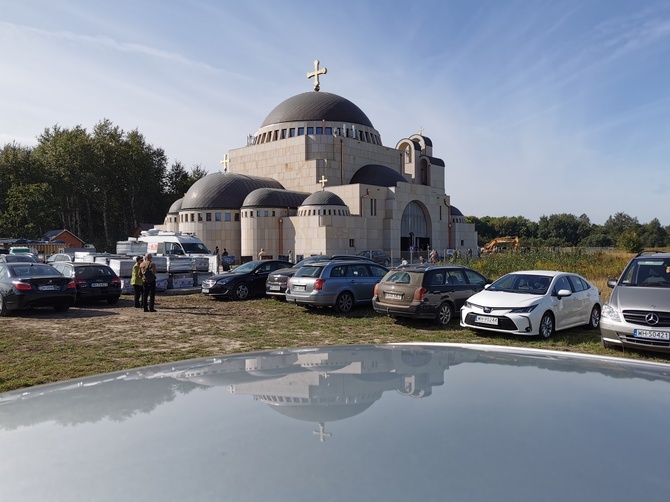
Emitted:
<point x="318" y="284"/>
<point x="419" y="294"/>
<point x="71" y="285"/>
<point x="116" y="280"/>
<point x="376" y="293"/>
<point x="22" y="286"/>
<point x="77" y="282"/>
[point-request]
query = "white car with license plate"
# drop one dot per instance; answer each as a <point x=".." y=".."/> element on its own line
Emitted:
<point x="534" y="302"/>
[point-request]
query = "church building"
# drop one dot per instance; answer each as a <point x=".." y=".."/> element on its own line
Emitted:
<point x="316" y="178"/>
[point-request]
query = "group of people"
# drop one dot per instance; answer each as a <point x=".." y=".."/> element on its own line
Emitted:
<point x="143" y="280"/>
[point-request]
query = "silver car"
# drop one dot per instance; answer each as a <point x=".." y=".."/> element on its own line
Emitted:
<point x="336" y="284"/>
<point x="637" y="314"/>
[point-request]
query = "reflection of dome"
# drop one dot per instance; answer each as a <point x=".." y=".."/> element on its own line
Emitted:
<point x="224" y="190"/>
<point x="321" y="412"/>
<point x="176" y="206"/>
<point x="323" y="198"/>
<point x="375" y="174"/>
<point x="272" y="197"/>
<point x="317" y="106"/>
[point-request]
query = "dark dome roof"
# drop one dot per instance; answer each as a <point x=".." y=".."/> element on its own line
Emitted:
<point x="176" y="206"/>
<point x="312" y="106"/>
<point x="455" y="211"/>
<point x="272" y="197"/>
<point x="323" y="198"/>
<point x="375" y="174"/>
<point x="224" y="190"/>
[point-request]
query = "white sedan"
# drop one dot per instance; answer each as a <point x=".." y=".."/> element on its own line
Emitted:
<point x="534" y="302"/>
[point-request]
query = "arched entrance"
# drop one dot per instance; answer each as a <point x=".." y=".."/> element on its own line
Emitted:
<point x="414" y="227"/>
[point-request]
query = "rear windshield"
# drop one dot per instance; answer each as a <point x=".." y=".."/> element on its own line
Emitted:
<point x="309" y="271"/>
<point x="402" y="277"/>
<point x="90" y="272"/>
<point x="34" y="270"/>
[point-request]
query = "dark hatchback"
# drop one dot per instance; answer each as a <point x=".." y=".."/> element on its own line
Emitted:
<point x="435" y="292"/>
<point x="94" y="281"/>
<point x="244" y="281"/>
<point x="28" y="285"/>
<point x="275" y="285"/>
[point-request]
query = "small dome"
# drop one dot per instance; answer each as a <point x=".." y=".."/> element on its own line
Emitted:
<point x="176" y="206"/>
<point x="323" y="198"/>
<point x="375" y="174"/>
<point x="455" y="211"/>
<point x="317" y="106"/>
<point x="272" y="197"/>
<point x="224" y="190"/>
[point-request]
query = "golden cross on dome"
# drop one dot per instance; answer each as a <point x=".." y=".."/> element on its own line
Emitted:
<point x="323" y="182"/>
<point x="316" y="74"/>
<point x="225" y="163"/>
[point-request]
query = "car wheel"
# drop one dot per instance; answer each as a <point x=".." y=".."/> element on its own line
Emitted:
<point x="344" y="303"/>
<point x="241" y="291"/>
<point x="547" y="325"/>
<point x="594" y="320"/>
<point x="113" y="301"/>
<point x="444" y="314"/>
<point x="61" y="308"/>
<point x="4" y="311"/>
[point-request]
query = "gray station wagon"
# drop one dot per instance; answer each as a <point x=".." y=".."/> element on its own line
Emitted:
<point x="337" y="284"/>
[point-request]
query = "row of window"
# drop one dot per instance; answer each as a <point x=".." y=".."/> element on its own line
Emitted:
<point x="292" y="132"/>
<point x="192" y="217"/>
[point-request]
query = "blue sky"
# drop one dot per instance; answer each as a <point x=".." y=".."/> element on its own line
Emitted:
<point x="537" y="107"/>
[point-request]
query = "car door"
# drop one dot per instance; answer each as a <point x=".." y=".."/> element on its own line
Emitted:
<point x="565" y="308"/>
<point x="360" y="281"/>
<point x="259" y="277"/>
<point x="458" y="287"/>
<point x="582" y="299"/>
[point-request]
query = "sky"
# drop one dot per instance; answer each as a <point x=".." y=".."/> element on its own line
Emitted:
<point x="537" y="107"/>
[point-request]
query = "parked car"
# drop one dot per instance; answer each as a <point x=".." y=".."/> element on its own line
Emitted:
<point x="422" y="422"/>
<point x="338" y="284"/>
<point x="376" y="255"/>
<point x="244" y="281"/>
<point x="534" y="302"/>
<point x="434" y="292"/>
<point x="18" y="258"/>
<point x="56" y="257"/>
<point x="26" y="285"/>
<point x="275" y="285"/>
<point x="94" y="281"/>
<point x="637" y="314"/>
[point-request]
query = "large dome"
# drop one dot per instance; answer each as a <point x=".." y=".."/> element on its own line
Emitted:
<point x="375" y="174"/>
<point x="316" y="106"/>
<point x="224" y="190"/>
<point x="271" y="197"/>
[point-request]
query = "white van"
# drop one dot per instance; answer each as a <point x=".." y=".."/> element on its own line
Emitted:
<point x="173" y="244"/>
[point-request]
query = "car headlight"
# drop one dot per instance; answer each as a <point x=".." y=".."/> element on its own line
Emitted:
<point x="523" y="310"/>
<point x="224" y="280"/>
<point x="610" y="313"/>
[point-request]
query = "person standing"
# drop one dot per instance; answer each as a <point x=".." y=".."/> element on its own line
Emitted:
<point x="261" y="254"/>
<point x="218" y="259"/>
<point x="148" y="272"/>
<point x="290" y="256"/>
<point x="136" y="281"/>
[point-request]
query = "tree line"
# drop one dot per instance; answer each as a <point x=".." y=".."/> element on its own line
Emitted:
<point x="567" y="230"/>
<point x="100" y="185"/>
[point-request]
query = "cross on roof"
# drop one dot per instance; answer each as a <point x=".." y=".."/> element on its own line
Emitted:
<point x="323" y="182"/>
<point x="322" y="432"/>
<point x="225" y="163"/>
<point x="421" y="131"/>
<point x="316" y="74"/>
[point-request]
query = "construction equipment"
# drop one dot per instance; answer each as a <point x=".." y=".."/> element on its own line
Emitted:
<point x="508" y="243"/>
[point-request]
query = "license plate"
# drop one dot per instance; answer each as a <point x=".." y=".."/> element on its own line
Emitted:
<point x="655" y="335"/>
<point x="486" y="319"/>
<point x="298" y="288"/>
<point x="49" y="288"/>
<point x="393" y="296"/>
<point x="274" y="288"/>
<point x="205" y="290"/>
<point x="99" y="284"/>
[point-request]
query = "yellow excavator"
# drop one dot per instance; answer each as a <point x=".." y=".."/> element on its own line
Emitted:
<point x="502" y="244"/>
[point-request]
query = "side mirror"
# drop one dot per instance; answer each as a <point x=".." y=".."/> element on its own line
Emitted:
<point x="564" y="292"/>
<point x="611" y="282"/>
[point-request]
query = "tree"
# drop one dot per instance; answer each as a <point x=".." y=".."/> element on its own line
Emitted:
<point x="564" y="228"/>
<point x="630" y="241"/>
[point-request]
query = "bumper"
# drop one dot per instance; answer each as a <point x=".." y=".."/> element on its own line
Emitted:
<point x="319" y="300"/>
<point x="17" y="302"/>
<point x="415" y="310"/>
<point x="622" y="334"/>
<point x="514" y="324"/>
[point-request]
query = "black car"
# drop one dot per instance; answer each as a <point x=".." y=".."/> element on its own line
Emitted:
<point x="275" y="285"/>
<point x="244" y="281"/>
<point x="27" y="285"/>
<point x="421" y="292"/>
<point x="94" y="281"/>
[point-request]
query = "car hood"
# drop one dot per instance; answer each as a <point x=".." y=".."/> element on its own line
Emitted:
<point x="402" y="422"/>
<point x="285" y="271"/>
<point x="503" y="299"/>
<point x="640" y="298"/>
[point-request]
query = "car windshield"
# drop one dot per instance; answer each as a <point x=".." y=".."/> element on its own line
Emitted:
<point x="648" y="272"/>
<point x="245" y="268"/>
<point x="522" y="283"/>
<point x="195" y="248"/>
<point x="34" y="271"/>
<point x="309" y="271"/>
